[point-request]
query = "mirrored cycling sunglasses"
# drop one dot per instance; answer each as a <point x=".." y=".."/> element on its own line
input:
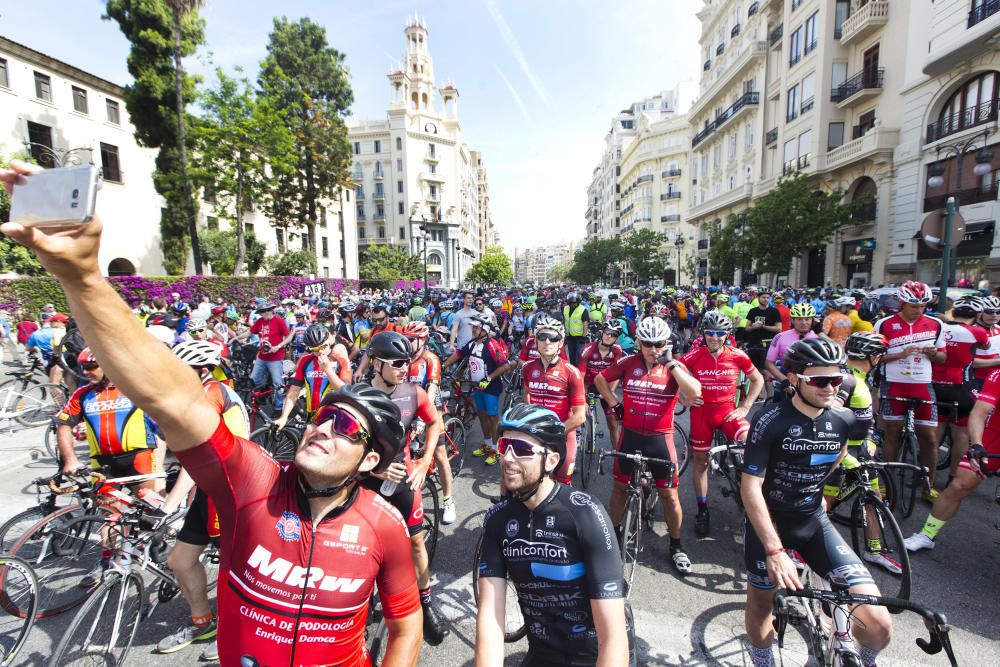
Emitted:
<point x="718" y="333"/>
<point x="396" y="363"/>
<point x="657" y="344"/>
<point x="547" y="337"/>
<point x="522" y="448"/>
<point x="822" y="380"/>
<point x="344" y="423"/>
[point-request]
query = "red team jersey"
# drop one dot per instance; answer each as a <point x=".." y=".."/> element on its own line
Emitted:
<point x="282" y="580"/>
<point x="649" y="396"/>
<point x="529" y="351"/>
<point x="961" y="341"/>
<point x="993" y="334"/>
<point x="425" y="369"/>
<point x="592" y="363"/>
<point x="925" y="332"/>
<point x="718" y="377"/>
<point x="558" y="387"/>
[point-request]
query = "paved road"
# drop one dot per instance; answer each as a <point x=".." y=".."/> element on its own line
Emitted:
<point x="696" y="620"/>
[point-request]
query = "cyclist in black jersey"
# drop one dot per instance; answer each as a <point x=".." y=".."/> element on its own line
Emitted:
<point x="557" y="545"/>
<point x="792" y="448"/>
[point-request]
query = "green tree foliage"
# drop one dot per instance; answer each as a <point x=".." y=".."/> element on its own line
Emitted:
<point x="729" y="247"/>
<point x="244" y="145"/>
<point x="218" y="248"/>
<point x="151" y="103"/>
<point x="14" y="257"/>
<point x="291" y="263"/>
<point x="643" y="250"/>
<point x="593" y="262"/>
<point x="385" y="263"/>
<point x="309" y="81"/>
<point x="493" y="269"/>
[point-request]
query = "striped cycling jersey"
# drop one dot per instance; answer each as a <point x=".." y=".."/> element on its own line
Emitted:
<point x="114" y="424"/>
<point x="313" y="379"/>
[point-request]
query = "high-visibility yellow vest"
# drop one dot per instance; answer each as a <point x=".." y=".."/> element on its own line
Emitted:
<point x="574" y="321"/>
<point x="598" y="312"/>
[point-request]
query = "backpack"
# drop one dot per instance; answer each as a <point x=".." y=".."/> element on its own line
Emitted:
<point x="73" y="342"/>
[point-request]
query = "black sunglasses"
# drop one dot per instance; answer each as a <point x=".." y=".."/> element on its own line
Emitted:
<point x="548" y="337"/>
<point x="657" y="345"/>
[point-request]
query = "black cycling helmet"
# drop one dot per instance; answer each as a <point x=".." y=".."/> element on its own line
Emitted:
<point x="156" y="319"/>
<point x="869" y="309"/>
<point x="384" y="421"/>
<point x="808" y="352"/>
<point x="539" y="422"/>
<point x="316" y="335"/>
<point x="389" y="345"/>
<point x="864" y="344"/>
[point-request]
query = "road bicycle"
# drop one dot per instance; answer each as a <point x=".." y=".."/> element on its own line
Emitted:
<point x="19" y="598"/>
<point x="515" y="627"/>
<point x="825" y="615"/>
<point x="587" y="438"/>
<point x="457" y="397"/>
<point x="641" y="499"/>
<point x="80" y="444"/>
<point x="913" y="478"/>
<point x="281" y="444"/>
<point x="725" y="459"/>
<point x="30" y="404"/>
<point x="513" y="387"/>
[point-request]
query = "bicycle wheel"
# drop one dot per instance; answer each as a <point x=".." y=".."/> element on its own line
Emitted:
<point x="874" y="532"/>
<point x="454" y="435"/>
<point x="39" y="403"/>
<point x="210" y="559"/>
<point x="585" y="450"/>
<point x="631" y="539"/>
<point x="944" y="450"/>
<point x="103" y="630"/>
<point x="19" y="592"/>
<point x="732" y="469"/>
<point x="376" y="633"/>
<point x="81" y="447"/>
<point x="279" y="444"/>
<point x="908" y="481"/>
<point x="514" y="626"/>
<point x="682" y="447"/>
<point x="19" y="524"/>
<point x="431" y="525"/>
<point x="62" y="548"/>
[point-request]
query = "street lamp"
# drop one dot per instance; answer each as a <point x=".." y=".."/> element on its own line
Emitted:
<point x="678" y="243"/>
<point x="984" y="166"/>
<point x="424" y="235"/>
<point x="48" y="156"/>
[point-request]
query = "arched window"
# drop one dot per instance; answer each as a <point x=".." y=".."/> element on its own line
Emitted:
<point x="866" y="190"/>
<point x="974" y="103"/>
<point x="121" y="267"/>
<point x="399" y="143"/>
<point x="434" y="259"/>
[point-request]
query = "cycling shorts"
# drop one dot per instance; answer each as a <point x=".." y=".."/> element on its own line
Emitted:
<point x="201" y="523"/>
<point x="655" y="445"/>
<point x="708" y="418"/>
<point x="409" y="504"/>
<point x="564" y="473"/>
<point x="991" y="443"/>
<point x="924" y="414"/>
<point x="138" y="462"/>
<point x="758" y="355"/>
<point x="488" y="403"/>
<point x="816" y="540"/>
<point x="955" y="393"/>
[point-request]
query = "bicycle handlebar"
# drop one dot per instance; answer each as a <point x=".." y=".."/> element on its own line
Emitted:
<point x="634" y="458"/>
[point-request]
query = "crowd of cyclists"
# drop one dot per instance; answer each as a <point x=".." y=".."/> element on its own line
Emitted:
<point x="796" y="381"/>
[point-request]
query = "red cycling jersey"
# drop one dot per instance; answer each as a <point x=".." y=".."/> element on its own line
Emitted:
<point x="529" y="351"/>
<point x="425" y="369"/>
<point x="993" y="333"/>
<point x="962" y="341"/>
<point x="990" y="393"/>
<point x="291" y="592"/>
<point x="720" y="376"/>
<point x="558" y="387"/>
<point x="900" y="334"/>
<point x="649" y="395"/>
<point x="592" y="363"/>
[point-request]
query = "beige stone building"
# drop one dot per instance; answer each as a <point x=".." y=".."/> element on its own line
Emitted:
<point x="489" y="236"/>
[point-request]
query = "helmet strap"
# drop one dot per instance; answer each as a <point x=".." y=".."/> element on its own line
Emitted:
<point x="526" y="494"/>
<point x="337" y="488"/>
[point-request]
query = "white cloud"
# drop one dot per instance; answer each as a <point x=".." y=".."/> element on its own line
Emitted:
<point x="515" y="49"/>
<point x="513" y="93"/>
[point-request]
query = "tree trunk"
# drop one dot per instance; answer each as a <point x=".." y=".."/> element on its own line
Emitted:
<point x="241" y="246"/>
<point x="181" y="143"/>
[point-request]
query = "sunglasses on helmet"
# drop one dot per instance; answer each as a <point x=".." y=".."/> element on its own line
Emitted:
<point x="522" y="449"/>
<point x="396" y="363"/>
<point x="822" y="381"/>
<point x="344" y="423"/>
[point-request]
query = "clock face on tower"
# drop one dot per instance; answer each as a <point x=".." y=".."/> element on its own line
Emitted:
<point x="431" y="128"/>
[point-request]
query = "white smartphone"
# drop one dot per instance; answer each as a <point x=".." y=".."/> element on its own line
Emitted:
<point x="56" y="197"/>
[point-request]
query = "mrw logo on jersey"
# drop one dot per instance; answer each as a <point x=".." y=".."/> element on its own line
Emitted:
<point x="284" y="572"/>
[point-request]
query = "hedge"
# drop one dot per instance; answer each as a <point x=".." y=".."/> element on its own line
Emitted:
<point x="33" y="293"/>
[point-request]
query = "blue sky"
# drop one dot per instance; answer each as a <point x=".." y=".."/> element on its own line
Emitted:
<point x="539" y="80"/>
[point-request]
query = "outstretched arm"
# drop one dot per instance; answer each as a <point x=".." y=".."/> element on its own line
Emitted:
<point x="142" y="367"/>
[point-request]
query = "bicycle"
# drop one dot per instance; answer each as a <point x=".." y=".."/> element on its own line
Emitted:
<point x="458" y="401"/>
<point x="513" y="383"/>
<point x="640" y="502"/>
<point x="107" y="622"/>
<point x="828" y="634"/>
<point x="19" y="598"/>
<point x="30" y="404"/>
<point x="910" y="480"/>
<point x="587" y="438"/>
<point x="725" y="458"/>
<point x="279" y="444"/>
<point x="515" y="627"/>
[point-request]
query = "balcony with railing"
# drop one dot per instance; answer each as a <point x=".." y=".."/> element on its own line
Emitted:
<point x="746" y="101"/>
<point x="378" y="196"/>
<point x="867" y="141"/>
<point x="735" y="32"/>
<point x="771" y="137"/>
<point x="671" y="173"/>
<point x="798" y="164"/>
<point x="733" y="71"/>
<point x="775" y="36"/>
<point x="754" y="6"/>
<point x="861" y="86"/>
<point x="965" y="197"/>
<point x="808" y="104"/>
<point x="379" y="175"/>
<point x="865" y="20"/>
<point x="982" y="114"/>
<point x="673" y="194"/>
<point x="867" y="211"/>
<point x="673" y="217"/>
<point x="360" y="196"/>
<point x="644" y="179"/>
<point x="702" y="244"/>
<point x="982" y="11"/>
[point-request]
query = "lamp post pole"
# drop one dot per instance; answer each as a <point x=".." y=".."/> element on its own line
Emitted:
<point x="423" y="228"/>
<point x="678" y="243"/>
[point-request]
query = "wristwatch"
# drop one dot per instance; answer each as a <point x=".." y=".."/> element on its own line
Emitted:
<point x="672" y="365"/>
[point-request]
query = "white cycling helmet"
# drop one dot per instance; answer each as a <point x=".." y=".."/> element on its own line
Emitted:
<point x="198" y="353"/>
<point x="196" y="324"/>
<point x="550" y="323"/>
<point x="844" y="301"/>
<point x="653" y="330"/>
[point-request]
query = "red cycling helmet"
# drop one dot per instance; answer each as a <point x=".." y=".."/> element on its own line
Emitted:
<point x="416" y="330"/>
<point x="914" y="292"/>
<point x="86" y="357"/>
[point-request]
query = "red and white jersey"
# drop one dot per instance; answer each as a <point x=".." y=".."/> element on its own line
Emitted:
<point x="990" y="393"/>
<point x="924" y="332"/>
<point x="962" y="341"/>
<point x="720" y="376"/>
<point x="529" y="351"/>
<point x="992" y="352"/>
<point x="558" y="387"/>
<point x="592" y="363"/>
<point x="649" y="395"/>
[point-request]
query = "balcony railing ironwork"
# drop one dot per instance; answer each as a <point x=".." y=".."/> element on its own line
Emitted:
<point x="981" y="114"/>
<point x="746" y="100"/>
<point x="754" y="6"/>
<point x="673" y="194"/>
<point x="776" y="34"/>
<point x="863" y="80"/>
<point x="771" y="136"/>
<point x="670" y="173"/>
<point x="707" y="66"/>
<point x="965" y="197"/>
<point x="703" y="244"/>
<point x="720" y="49"/>
<point x="983" y="11"/>
<point x="867" y="211"/>
<point x="735" y="32"/>
<point x="673" y="217"/>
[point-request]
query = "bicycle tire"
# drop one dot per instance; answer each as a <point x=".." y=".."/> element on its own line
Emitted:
<point x="81" y="447"/>
<point x="455" y="441"/>
<point x="43" y="403"/>
<point x="908" y="480"/>
<point x="682" y="448"/>
<point x="944" y="450"/>
<point x="376" y="632"/>
<point x="19" y="593"/>
<point x="890" y="544"/>
<point x="732" y="469"/>
<point x="15" y="527"/>
<point x="113" y="595"/>
<point x="62" y="548"/>
<point x="281" y="445"/>
<point x="431" y="522"/>
<point x="515" y="627"/>
<point x="631" y="539"/>
<point x="586" y="452"/>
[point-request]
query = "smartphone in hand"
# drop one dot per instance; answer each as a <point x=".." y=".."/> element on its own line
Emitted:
<point x="56" y="197"/>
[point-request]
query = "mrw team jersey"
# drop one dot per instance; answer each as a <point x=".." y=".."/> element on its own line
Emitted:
<point x="649" y="395"/>
<point x="962" y="341"/>
<point x="558" y="387"/>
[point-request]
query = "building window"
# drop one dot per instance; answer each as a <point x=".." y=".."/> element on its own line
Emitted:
<point x="792" y="110"/>
<point x="402" y="233"/>
<point x="4" y="77"/>
<point x="40" y="138"/>
<point x="357" y="148"/>
<point x="248" y="228"/>
<point x="79" y="100"/>
<point x="379" y="211"/>
<point x="361" y="232"/>
<point x="43" y="86"/>
<point x="361" y="211"/>
<point x="808" y="92"/>
<point x="796" y="4"/>
<point x="212" y="222"/>
<point x="399" y="187"/>
<point x="208" y="194"/>
<point x="379" y="190"/>
<point x="975" y="103"/>
<point x="114" y="117"/>
<point x="399" y="143"/>
<point x="795" y="47"/>
<point x="810" y="37"/>
<point x="381" y="231"/>
<point x="431" y="150"/>
<point x="325" y="247"/>
<point x="834" y="136"/>
<point x="748" y="135"/>
<point x="842" y="11"/>
<point x="110" y="164"/>
<point x="322" y="217"/>
<point x="791" y="152"/>
<point x="347" y="195"/>
<point x="378" y="170"/>
<point x="378" y="146"/>
<point x="399" y="208"/>
<point x="279" y="235"/>
<point x="866" y="123"/>
<point x="399" y="166"/>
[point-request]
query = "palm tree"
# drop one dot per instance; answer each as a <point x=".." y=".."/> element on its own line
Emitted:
<point x="180" y="9"/>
